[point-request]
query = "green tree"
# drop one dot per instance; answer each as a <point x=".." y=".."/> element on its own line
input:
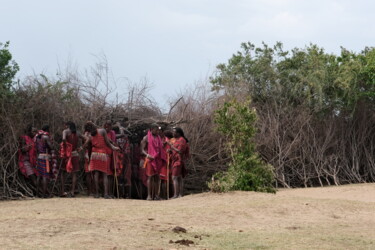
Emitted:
<point x="320" y="81"/>
<point x="246" y="170"/>
<point x="8" y="69"/>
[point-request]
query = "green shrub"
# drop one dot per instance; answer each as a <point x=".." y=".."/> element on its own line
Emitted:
<point x="246" y="170"/>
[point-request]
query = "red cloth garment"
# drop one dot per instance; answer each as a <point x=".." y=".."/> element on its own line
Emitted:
<point x="112" y="136"/>
<point x="118" y="158"/>
<point x="154" y="149"/>
<point x="46" y="161"/>
<point x="178" y="159"/>
<point x="66" y="150"/>
<point x="27" y="160"/>
<point x="72" y="164"/>
<point x="100" y="160"/>
<point x="124" y="145"/>
<point x="165" y="169"/>
<point x="127" y="172"/>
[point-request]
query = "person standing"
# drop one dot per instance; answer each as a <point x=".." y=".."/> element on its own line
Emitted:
<point x="44" y="164"/>
<point x="155" y="158"/>
<point x="69" y="153"/>
<point x="27" y="154"/>
<point x="179" y="153"/>
<point x="100" y="160"/>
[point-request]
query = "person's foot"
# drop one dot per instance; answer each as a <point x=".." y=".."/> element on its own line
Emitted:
<point x="174" y="197"/>
<point x="96" y="196"/>
<point x="107" y="197"/>
<point x="65" y="194"/>
<point x="158" y="198"/>
<point x="149" y="198"/>
<point x="70" y="195"/>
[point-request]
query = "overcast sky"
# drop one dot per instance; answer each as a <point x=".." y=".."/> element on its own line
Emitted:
<point x="173" y="42"/>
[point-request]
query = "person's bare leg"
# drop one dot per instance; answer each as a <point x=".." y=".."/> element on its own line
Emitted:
<point x="181" y="188"/>
<point x="96" y="180"/>
<point x="149" y="187"/>
<point x="105" y="183"/>
<point x="157" y="187"/>
<point x="38" y="186"/>
<point x="62" y="179"/>
<point x="44" y="183"/>
<point x="176" y="186"/>
<point x="110" y="185"/>
<point x="89" y="183"/>
<point x="34" y="181"/>
<point x="74" y="183"/>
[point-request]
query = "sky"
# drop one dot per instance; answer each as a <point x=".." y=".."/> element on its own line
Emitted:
<point x="172" y="43"/>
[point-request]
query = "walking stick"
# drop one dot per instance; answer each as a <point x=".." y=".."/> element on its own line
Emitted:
<point x="114" y="168"/>
<point x="57" y="176"/>
<point x="167" y="176"/>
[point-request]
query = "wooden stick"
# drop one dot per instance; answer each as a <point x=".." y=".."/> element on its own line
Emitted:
<point x="115" y="173"/>
<point x="167" y="176"/>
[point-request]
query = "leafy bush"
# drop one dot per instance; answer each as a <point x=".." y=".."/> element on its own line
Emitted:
<point x="246" y="170"/>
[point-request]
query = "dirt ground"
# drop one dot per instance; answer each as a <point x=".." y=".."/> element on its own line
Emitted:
<point x="315" y="218"/>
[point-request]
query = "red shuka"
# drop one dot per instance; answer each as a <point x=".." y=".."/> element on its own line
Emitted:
<point x="31" y="153"/>
<point x="100" y="159"/>
<point x="178" y="159"/>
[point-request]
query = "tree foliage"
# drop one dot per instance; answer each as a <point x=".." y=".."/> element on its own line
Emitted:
<point x="315" y="110"/>
<point x="246" y="170"/>
<point x="8" y="69"/>
<point x="310" y="77"/>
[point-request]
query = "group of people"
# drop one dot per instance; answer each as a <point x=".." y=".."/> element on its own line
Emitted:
<point x="108" y="157"/>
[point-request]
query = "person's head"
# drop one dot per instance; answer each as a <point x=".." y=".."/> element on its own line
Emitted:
<point x="34" y="131"/>
<point x="167" y="133"/>
<point x="178" y="132"/>
<point x="116" y="129"/>
<point x="154" y="128"/>
<point x="45" y="128"/>
<point x="71" y="126"/>
<point x="29" y="130"/>
<point x="90" y="127"/>
<point x="108" y="125"/>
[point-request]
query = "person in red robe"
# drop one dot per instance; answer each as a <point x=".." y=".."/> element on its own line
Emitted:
<point x="179" y="154"/>
<point x="100" y="160"/>
<point x="155" y="158"/>
<point x="27" y="154"/>
<point x="165" y="172"/>
<point x="125" y="173"/>
<point x="88" y="172"/>
<point x="70" y="157"/>
<point x="45" y="163"/>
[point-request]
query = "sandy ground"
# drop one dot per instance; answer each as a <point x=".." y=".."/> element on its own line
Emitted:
<point x="316" y="218"/>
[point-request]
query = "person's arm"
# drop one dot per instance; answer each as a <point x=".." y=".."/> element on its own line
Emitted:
<point x="179" y="148"/>
<point x="47" y="139"/>
<point x="87" y="140"/>
<point x="118" y="136"/>
<point x="143" y="148"/>
<point x="24" y="147"/>
<point x="64" y="135"/>
<point x="103" y="132"/>
<point x="83" y="138"/>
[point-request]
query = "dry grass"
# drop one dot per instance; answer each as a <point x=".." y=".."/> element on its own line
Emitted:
<point x="317" y="218"/>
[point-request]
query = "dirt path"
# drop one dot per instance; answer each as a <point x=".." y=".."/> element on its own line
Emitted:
<point x="317" y="218"/>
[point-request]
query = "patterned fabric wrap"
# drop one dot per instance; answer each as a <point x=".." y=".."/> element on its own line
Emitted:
<point x="100" y="159"/>
<point x="155" y="149"/>
<point x="43" y="166"/>
<point x="165" y="169"/>
<point x="27" y="160"/>
<point x="178" y="159"/>
<point x="118" y="160"/>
